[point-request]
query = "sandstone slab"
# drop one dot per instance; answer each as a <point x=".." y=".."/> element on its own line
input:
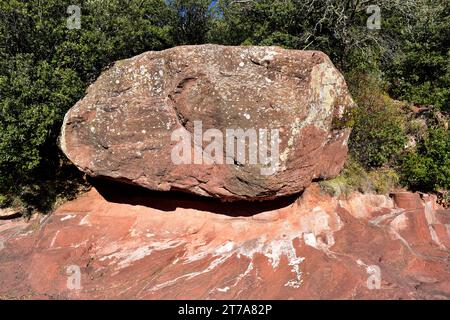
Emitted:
<point x="116" y="244"/>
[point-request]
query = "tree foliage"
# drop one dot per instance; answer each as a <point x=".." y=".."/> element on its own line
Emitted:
<point x="45" y="68"/>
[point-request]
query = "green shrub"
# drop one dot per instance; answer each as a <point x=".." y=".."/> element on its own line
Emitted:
<point x="427" y="167"/>
<point x="355" y="178"/>
<point x="379" y="131"/>
<point x="384" y="180"/>
<point x="3" y="200"/>
<point x="336" y="186"/>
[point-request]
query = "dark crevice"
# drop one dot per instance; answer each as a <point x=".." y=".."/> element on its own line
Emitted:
<point x="181" y="119"/>
<point x="174" y="97"/>
<point x="258" y="63"/>
<point x="127" y="193"/>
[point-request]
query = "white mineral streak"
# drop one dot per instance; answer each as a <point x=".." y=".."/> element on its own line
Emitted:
<point x="273" y="249"/>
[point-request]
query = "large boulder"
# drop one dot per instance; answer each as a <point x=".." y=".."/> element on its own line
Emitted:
<point x="133" y="122"/>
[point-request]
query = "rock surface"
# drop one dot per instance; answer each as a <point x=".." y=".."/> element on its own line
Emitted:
<point x="9" y="213"/>
<point x="122" y="128"/>
<point x="147" y="245"/>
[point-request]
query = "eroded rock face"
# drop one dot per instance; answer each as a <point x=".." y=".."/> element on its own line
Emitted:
<point x="126" y="245"/>
<point x="123" y="128"/>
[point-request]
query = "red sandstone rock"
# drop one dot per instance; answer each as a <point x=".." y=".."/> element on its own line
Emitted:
<point x="122" y="128"/>
<point x="130" y="245"/>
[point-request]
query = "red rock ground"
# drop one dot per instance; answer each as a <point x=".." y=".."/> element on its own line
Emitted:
<point x="140" y="245"/>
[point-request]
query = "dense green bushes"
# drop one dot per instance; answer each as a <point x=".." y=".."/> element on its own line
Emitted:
<point x="427" y="167"/>
<point x="387" y="135"/>
<point x="45" y="68"/>
<point x="379" y="133"/>
<point x="31" y="109"/>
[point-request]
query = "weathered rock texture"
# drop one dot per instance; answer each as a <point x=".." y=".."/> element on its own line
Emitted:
<point x="122" y="128"/>
<point x="144" y="246"/>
